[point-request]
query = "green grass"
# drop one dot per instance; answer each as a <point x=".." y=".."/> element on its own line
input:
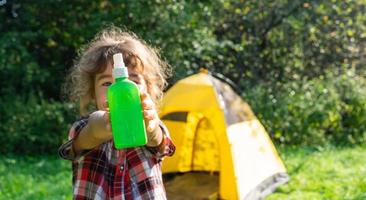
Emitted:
<point x="40" y="177"/>
<point x="329" y="173"/>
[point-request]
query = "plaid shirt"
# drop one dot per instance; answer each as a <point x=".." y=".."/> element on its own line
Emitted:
<point x="107" y="173"/>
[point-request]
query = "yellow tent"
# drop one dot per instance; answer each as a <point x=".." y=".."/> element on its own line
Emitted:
<point x="214" y="130"/>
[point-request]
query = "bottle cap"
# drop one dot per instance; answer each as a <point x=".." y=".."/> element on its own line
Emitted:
<point x="119" y="68"/>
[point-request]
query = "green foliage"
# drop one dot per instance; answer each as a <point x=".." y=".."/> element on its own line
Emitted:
<point x="274" y="50"/>
<point x="33" y="126"/>
<point x="279" y="41"/>
<point x="329" y="108"/>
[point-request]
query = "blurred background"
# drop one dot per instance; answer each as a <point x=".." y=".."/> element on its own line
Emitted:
<point x="300" y="65"/>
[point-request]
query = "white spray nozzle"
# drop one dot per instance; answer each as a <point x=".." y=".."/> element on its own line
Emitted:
<point x="119" y="70"/>
<point x="118" y="60"/>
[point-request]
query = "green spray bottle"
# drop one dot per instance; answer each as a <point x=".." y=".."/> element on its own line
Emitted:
<point x="126" y="114"/>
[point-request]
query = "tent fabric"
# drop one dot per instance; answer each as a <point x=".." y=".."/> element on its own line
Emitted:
<point x="216" y="131"/>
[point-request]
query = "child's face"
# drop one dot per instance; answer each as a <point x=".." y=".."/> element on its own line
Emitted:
<point x="105" y="79"/>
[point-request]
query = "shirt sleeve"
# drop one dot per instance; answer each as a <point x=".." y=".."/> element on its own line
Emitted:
<point x="64" y="150"/>
<point x="166" y="147"/>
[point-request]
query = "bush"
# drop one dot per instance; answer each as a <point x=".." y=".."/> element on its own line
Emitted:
<point x="33" y="126"/>
<point x="325" y="109"/>
<point x="288" y="45"/>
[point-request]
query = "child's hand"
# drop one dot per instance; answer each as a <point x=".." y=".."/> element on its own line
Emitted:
<point x="97" y="131"/>
<point x="154" y="133"/>
<point x="100" y="126"/>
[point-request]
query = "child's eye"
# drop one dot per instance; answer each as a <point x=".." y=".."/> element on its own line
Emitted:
<point x="106" y="84"/>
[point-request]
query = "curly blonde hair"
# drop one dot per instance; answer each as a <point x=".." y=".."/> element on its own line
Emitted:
<point x="95" y="57"/>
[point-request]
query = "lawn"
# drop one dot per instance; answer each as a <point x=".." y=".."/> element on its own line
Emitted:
<point x="329" y="173"/>
<point x="40" y="177"/>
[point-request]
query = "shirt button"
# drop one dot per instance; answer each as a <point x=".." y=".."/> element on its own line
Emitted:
<point x="121" y="167"/>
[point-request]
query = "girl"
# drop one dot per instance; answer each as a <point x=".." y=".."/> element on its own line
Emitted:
<point x="100" y="171"/>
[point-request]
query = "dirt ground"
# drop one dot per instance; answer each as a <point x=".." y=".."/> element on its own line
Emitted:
<point x="194" y="185"/>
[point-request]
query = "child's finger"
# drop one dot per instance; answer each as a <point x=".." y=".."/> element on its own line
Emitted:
<point x="143" y="95"/>
<point x="108" y="127"/>
<point x="149" y="114"/>
<point x="152" y="125"/>
<point x="107" y="121"/>
<point x="147" y="104"/>
<point x="106" y="105"/>
<point x="142" y="88"/>
<point x="106" y="116"/>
